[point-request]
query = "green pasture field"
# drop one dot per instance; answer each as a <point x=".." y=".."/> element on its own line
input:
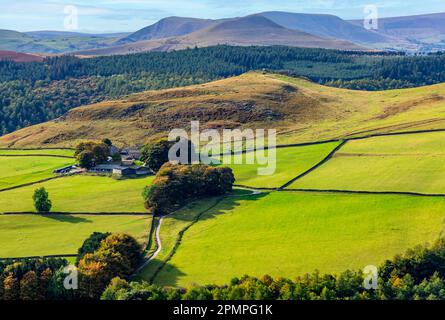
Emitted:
<point x="288" y="234"/>
<point x="16" y="171"/>
<point x="35" y="235"/>
<point x="290" y="162"/>
<point x="49" y="152"/>
<point x="173" y="224"/>
<point x="81" y="194"/>
<point x="405" y="163"/>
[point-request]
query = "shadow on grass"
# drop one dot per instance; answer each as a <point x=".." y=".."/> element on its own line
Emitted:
<point x="67" y="218"/>
<point x="209" y="208"/>
<point x="161" y="271"/>
<point x="167" y="275"/>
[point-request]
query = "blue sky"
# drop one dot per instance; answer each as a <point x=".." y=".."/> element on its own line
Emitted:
<point x="130" y="15"/>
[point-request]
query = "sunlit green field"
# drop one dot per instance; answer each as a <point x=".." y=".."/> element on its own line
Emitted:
<point x="290" y="162"/>
<point x="173" y="224"/>
<point x="81" y="194"/>
<point x="50" y="152"/>
<point x="409" y="163"/>
<point x="34" y="235"/>
<point x="288" y="234"/>
<point x="16" y="171"/>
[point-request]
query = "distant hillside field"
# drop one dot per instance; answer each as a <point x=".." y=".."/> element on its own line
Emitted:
<point x="290" y="162"/>
<point x="410" y="163"/>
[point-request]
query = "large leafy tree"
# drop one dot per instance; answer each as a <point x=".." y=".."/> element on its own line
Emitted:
<point x="42" y="203"/>
<point x="156" y="154"/>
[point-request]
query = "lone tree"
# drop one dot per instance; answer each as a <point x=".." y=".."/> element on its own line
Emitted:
<point x="42" y="203"/>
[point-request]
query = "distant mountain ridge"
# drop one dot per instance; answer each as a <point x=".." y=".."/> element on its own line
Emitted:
<point x="327" y="26"/>
<point x="246" y="31"/>
<point x="412" y="33"/>
<point x="426" y="31"/>
<point x="166" y="28"/>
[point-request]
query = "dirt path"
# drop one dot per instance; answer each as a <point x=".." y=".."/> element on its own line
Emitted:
<point x="158" y="241"/>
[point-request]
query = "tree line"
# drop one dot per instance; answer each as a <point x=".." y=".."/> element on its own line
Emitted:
<point x="102" y="257"/>
<point x="419" y="274"/>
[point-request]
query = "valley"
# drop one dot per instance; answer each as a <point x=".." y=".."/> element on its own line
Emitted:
<point x="201" y="152"/>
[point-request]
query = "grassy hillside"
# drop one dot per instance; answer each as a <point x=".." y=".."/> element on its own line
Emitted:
<point x="288" y="234"/>
<point x="81" y="194"/>
<point x="41" y="42"/>
<point x="20" y="170"/>
<point x="301" y="111"/>
<point x="410" y="163"/>
<point x="33" y="235"/>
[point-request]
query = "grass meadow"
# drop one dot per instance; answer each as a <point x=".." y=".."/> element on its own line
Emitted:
<point x="16" y="171"/>
<point x="406" y="163"/>
<point x="290" y="162"/>
<point x="35" y="235"/>
<point x="290" y="233"/>
<point x="81" y="194"/>
<point x="28" y="152"/>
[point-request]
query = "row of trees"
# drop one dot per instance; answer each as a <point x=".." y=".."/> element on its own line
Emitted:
<point x="417" y="275"/>
<point x="32" y="93"/>
<point x="175" y="184"/>
<point x="102" y="257"/>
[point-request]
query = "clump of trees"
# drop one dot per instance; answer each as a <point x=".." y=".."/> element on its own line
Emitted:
<point x="417" y="275"/>
<point x="42" y="203"/>
<point x="155" y="154"/>
<point x="117" y="254"/>
<point x="29" y="279"/>
<point x="102" y="257"/>
<point x="175" y="184"/>
<point x="91" y="153"/>
<point x="91" y="244"/>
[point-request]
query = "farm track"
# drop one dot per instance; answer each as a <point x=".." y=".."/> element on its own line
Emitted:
<point x="181" y="235"/>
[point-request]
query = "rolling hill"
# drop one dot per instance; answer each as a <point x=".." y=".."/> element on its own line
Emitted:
<point x="53" y="42"/>
<point x="300" y="110"/>
<point x="166" y="28"/>
<point x="247" y="31"/>
<point x="19" y="57"/>
<point x="427" y="31"/>
<point x="327" y="26"/>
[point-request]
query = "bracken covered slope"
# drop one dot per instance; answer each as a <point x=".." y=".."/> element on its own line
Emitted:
<point x="301" y="111"/>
